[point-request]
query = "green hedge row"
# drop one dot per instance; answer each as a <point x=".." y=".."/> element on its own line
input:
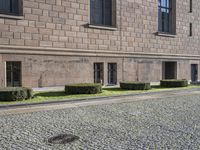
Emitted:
<point x="83" y="88"/>
<point x="135" y="85"/>
<point x="15" y="93"/>
<point x="173" y="83"/>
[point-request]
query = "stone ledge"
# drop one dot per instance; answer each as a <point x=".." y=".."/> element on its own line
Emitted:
<point x="166" y="34"/>
<point x="102" y="27"/>
<point x="11" y="17"/>
<point x="6" y="49"/>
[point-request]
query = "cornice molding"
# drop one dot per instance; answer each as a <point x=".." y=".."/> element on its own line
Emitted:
<point x="26" y="50"/>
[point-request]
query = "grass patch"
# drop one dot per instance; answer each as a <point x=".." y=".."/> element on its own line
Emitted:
<point x="60" y="95"/>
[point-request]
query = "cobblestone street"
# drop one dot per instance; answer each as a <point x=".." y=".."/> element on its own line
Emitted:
<point x="160" y="123"/>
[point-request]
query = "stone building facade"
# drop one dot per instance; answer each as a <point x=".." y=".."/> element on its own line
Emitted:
<point x="53" y="42"/>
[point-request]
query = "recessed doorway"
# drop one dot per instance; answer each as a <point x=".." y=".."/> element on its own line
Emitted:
<point x="169" y="70"/>
<point x="194" y="72"/>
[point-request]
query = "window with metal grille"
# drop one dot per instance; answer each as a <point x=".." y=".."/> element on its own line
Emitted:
<point x="98" y="73"/>
<point x="165" y="16"/>
<point x="13" y="74"/>
<point x="10" y="7"/>
<point x="101" y="12"/>
<point x="112" y="73"/>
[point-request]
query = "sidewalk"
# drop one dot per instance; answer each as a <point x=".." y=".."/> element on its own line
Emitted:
<point x="62" y="104"/>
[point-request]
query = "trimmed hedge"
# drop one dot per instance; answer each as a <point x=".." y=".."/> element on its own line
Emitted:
<point x="135" y="85"/>
<point x="173" y="83"/>
<point x="15" y="93"/>
<point x="83" y="88"/>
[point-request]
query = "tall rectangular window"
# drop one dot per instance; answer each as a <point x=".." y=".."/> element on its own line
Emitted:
<point x="112" y="73"/>
<point x="10" y="7"/>
<point x="98" y="73"/>
<point x="13" y="74"/>
<point x="190" y="29"/>
<point x="194" y="72"/>
<point x="101" y="12"/>
<point x="190" y="5"/>
<point x="166" y="16"/>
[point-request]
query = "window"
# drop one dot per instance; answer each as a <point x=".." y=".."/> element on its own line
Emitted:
<point x="166" y="16"/>
<point x="10" y="7"/>
<point x="190" y="5"/>
<point x="190" y="29"/>
<point x="112" y="73"/>
<point x="101" y="12"/>
<point x="169" y="70"/>
<point x="194" y="72"/>
<point x="13" y="74"/>
<point x="98" y="73"/>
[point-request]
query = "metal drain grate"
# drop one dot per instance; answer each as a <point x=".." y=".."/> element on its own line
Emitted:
<point x="63" y="139"/>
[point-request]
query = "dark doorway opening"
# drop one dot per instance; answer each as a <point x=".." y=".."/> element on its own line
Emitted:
<point x="194" y="72"/>
<point x="98" y="73"/>
<point x="169" y="70"/>
<point x="112" y="73"/>
<point x="13" y="74"/>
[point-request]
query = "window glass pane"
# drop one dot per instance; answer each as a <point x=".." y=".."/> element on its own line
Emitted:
<point x="112" y="73"/>
<point x="164" y="16"/>
<point x="92" y="10"/>
<point x="98" y="72"/>
<point x="96" y="11"/>
<point x="108" y="12"/>
<point x="15" y="6"/>
<point x="101" y="12"/>
<point x="159" y="2"/>
<point x="163" y="3"/>
<point x="5" y="5"/>
<point x="9" y="6"/>
<point x="13" y="74"/>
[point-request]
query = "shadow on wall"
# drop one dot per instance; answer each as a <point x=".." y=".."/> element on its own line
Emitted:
<point x="42" y="77"/>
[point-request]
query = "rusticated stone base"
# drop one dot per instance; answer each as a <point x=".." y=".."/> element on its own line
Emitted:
<point x="46" y="70"/>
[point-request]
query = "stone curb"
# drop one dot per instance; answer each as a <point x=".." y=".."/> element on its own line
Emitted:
<point x="88" y="99"/>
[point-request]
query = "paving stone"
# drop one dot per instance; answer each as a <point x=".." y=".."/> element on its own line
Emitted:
<point x="165" y="123"/>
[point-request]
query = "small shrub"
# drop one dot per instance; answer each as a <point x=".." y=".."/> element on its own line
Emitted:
<point x="135" y="85"/>
<point x="173" y="83"/>
<point x="83" y="88"/>
<point x="15" y="93"/>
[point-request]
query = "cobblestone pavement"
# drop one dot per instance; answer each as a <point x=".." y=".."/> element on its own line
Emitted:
<point x="162" y="123"/>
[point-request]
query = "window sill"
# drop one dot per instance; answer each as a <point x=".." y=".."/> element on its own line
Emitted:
<point x="102" y="27"/>
<point x="11" y="17"/>
<point x="166" y="34"/>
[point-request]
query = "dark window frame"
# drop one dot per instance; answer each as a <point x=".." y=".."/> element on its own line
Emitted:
<point x="98" y="72"/>
<point x="11" y="11"/>
<point x="112" y="73"/>
<point x="191" y="4"/>
<point x="13" y="73"/>
<point x="106" y="22"/>
<point x="194" y="72"/>
<point x="169" y="70"/>
<point x="190" y="30"/>
<point x="167" y="16"/>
